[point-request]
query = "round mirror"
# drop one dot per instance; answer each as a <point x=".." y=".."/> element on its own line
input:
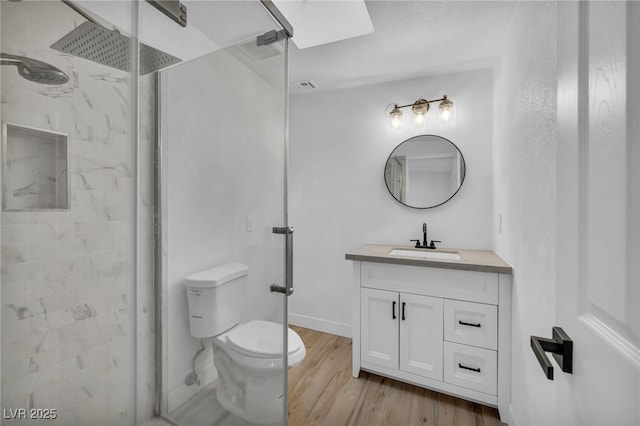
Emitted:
<point x="424" y="171"/>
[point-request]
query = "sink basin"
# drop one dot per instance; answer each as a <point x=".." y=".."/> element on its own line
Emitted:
<point x="449" y="255"/>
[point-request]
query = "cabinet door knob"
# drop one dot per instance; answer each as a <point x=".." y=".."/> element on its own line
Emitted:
<point x="393" y="310"/>
<point x="403" y="316"/>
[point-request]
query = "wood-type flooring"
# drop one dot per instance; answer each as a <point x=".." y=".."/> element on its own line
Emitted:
<point x="322" y="392"/>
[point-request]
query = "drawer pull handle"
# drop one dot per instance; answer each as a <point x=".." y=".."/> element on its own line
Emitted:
<point x="477" y="370"/>
<point x="393" y="310"/>
<point x="470" y="324"/>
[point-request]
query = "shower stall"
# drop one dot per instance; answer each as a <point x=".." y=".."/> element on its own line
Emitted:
<point x="142" y="141"/>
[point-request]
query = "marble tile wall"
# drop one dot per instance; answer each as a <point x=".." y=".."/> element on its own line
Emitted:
<point x="66" y="277"/>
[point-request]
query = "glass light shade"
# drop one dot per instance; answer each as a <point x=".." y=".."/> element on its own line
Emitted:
<point x="445" y="110"/>
<point x="396" y="117"/>
<point x="420" y="108"/>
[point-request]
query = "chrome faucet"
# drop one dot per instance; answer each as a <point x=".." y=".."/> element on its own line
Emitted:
<point x="424" y="244"/>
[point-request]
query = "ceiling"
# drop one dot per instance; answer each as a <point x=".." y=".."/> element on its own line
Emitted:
<point x="326" y="21"/>
<point x="410" y="39"/>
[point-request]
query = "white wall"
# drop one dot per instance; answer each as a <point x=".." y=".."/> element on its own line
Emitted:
<point x="340" y="141"/>
<point x="525" y="190"/>
<point x="224" y="159"/>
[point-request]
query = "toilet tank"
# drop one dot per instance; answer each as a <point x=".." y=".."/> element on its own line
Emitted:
<point x="215" y="297"/>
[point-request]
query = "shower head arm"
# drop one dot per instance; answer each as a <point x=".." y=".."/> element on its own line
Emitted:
<point x="80" y="11"/>
<point x="9" y="59"/>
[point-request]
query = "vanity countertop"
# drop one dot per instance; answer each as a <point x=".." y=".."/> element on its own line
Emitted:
<point x="470" y="260"/>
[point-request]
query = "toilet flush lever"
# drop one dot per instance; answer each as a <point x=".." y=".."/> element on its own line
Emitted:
<point x="288" y="287"/>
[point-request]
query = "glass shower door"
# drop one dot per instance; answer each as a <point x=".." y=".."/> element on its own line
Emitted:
<point x="222" y="191"/>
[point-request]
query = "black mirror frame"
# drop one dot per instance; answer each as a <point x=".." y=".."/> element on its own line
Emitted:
<point x="430" y="207"/>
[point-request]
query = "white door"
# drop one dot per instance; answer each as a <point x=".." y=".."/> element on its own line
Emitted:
<point x="598" y="281"/>
<point x="421" y="333"/>
<point x="379" y="327"/>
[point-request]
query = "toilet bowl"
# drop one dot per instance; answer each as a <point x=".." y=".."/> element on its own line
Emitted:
<point x="249" y="362"/>
<point x="248" y="356"/>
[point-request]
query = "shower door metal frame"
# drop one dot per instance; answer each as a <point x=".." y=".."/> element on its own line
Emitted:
<point x="159" y="242"/>
<point x="280" y="18"/>
<point x="159" y="237"/>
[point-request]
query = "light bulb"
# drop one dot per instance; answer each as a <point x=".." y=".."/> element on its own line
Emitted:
<point x="420" y="108"/>
<point x="396" y="116"/>
<point x="445" y="110"/>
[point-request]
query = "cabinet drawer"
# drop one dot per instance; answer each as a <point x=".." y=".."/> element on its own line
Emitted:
<point x="471" y="367"/>
<point x="448" y="283"/>
<point x="471" y="323"/>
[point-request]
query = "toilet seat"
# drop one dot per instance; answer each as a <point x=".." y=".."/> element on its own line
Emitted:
<point x="258" y="344"/>
<point x="262" y="339"/>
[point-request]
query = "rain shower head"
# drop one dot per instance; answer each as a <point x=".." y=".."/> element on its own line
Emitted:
<point x="94" y="42"/>
<point x="34" y="70"/>
<point x="108" y="47"/>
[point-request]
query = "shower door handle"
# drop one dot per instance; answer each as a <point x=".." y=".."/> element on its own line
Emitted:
<point x="288" y="288"/>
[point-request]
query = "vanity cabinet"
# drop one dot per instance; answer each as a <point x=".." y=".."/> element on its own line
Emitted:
<point x="442" y="328"/>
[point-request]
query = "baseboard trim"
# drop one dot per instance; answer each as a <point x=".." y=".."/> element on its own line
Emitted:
<point x="513" y="417"/>
<point x="320" y="324"/>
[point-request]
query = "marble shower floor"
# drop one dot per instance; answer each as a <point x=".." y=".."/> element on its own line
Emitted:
<point x="203" y="409"/>
<point x="157" y="422"/>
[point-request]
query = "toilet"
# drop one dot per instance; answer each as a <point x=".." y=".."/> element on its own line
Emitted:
<point x="248" y="357"/>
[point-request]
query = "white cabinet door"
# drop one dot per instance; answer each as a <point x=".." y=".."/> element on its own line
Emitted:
<point x="421" y="335"/>
<point x="379" y="327"/>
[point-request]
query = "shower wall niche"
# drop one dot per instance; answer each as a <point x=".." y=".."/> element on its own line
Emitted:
<point x="35" y="169"/>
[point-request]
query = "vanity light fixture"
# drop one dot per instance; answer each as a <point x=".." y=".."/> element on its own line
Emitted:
<point x="420" y="108"/>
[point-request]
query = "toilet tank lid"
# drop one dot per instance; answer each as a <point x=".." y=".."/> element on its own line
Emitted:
<point x="216" y="276"/>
